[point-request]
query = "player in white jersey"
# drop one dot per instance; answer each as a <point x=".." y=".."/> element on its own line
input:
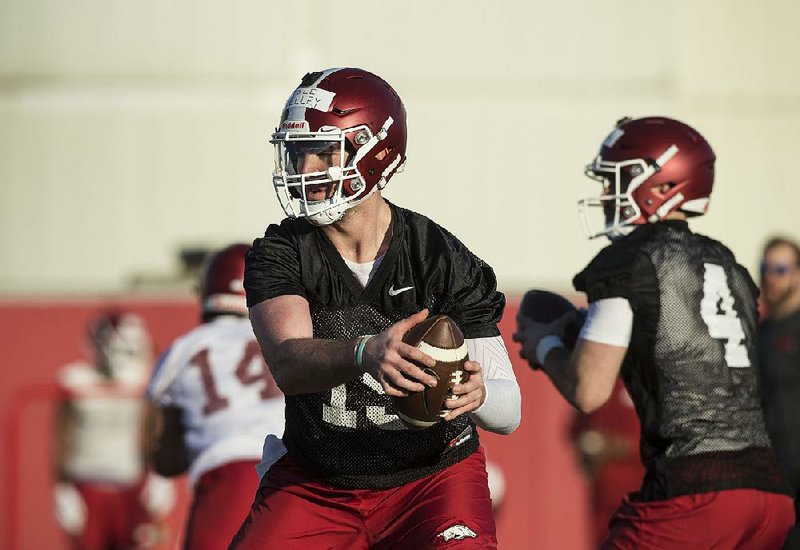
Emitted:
<point x="215" y="400"/>
<point x="104" y="497"/>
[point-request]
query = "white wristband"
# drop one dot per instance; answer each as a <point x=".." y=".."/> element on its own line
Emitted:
<point x="545" y="345"/>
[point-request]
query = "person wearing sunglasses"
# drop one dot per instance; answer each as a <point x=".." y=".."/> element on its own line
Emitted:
<point x="779" y="348"/>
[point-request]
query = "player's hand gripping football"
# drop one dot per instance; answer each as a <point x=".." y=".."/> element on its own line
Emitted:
<point x="530" y="333"/>
<point x="388" y="359"/>
<point x="468" y="396"/>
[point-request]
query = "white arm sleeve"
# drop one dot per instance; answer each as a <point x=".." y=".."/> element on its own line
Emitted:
<point x="502" y="409"/>
<point x="609" y="321"/>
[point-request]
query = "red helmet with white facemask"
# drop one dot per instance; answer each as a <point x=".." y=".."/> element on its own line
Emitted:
<point x="356" y="123"/>
<point x="222" y="282"/>
<point x="649" y="168"/>
<point x="122" y="346"/>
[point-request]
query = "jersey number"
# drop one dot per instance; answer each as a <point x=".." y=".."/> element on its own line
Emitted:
<point x="339" y="415"/>
<point x="251" y="369"/>
<point x="720" y="317"/>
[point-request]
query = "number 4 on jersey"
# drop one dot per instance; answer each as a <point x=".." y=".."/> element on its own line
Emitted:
<point x="718" y="312"/>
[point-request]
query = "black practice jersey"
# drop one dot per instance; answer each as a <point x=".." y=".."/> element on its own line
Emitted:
<point x="351" y="435"/>
<point x="691" y="366"/>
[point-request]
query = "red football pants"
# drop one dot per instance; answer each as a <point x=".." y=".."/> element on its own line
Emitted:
<point x="115" y="517"/>
<point x="737" y="518"/>
<point x="294" y="509"/>
<point x="222" y="498"/>
<point x="608" y="492"/>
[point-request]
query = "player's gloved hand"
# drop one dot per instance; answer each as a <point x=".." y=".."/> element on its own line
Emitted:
<point x="389" y="360"/>
<point x="158" y="495"/>
<point x="69" y="507"/>
<point x="539" y="338"/>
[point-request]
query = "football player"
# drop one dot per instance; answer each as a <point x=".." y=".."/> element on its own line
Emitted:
<point x="675" y="314"/>
<point x="104" y="497"/>
<point x="779" y="350"/>
<point x="332" y="290"/>
<point x="214" y="401"/>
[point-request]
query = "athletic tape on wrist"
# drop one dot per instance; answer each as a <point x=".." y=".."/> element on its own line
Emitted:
<point x="545" y="345"/>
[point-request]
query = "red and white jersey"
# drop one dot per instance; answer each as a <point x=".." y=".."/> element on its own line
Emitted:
<point x="105" y="441"/>
<point x="217" y="376"/>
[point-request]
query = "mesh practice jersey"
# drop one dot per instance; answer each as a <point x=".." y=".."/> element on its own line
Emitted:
<point x="351" y="435"/>
<point x="229" y="402"/>
<point x="105" y="440"/>
<point x="691" y="363"/>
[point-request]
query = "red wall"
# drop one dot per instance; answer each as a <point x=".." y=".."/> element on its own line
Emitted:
<point x="544" y="505"/>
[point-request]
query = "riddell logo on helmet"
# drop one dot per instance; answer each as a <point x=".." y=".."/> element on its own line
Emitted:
<point x="294" y="125"/>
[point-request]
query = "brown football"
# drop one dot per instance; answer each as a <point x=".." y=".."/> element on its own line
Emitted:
<point x="440" y="338"/>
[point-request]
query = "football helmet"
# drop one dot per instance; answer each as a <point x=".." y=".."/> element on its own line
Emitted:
<point x="122" y="346"/>
<point x="342" y="135"/>
<point x="649" y="167"/>
<point x="222" y="282"/>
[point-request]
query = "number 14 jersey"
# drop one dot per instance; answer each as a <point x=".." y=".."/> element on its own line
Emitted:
<point x="229" y="402"/>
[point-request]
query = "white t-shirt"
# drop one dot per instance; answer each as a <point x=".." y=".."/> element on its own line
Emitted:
<point x="217" y="376"/>
<point x="105" y="443"/>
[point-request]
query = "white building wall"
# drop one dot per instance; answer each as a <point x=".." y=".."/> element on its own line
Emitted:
<point x="129" y="129"/>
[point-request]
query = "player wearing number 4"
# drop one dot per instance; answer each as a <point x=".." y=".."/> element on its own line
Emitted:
<point x="214" y="401"/>
<point x="675" y="314"/>
<point x="347" y="264"/>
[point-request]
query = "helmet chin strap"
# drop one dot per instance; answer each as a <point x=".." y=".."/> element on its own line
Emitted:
<point x="334" y="214"/>
<point x="618" y="231"/>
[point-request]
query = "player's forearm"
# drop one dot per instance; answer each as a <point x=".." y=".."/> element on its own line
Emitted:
<point x="165" y="449"/>
<point x="502" y="410"/>
<point x="560" y="368"/>
<point x="309" y="365"/>
<point x="64" y="430"/>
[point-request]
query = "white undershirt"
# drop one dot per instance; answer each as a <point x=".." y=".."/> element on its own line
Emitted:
<point x="609" y="321"/>
<point x="364" y="272"/>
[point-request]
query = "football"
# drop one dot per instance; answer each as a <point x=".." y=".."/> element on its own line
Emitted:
<point x="544" y="306"/>
<point x="440" y="338"/>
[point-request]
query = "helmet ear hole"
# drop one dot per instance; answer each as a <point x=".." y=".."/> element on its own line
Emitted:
<point x="663" y="189"/>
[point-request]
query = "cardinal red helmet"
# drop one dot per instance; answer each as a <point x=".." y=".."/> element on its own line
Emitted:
<point x="222" y="282"/>
<point x="649" y="167"/>
<point x="356" y="123"/>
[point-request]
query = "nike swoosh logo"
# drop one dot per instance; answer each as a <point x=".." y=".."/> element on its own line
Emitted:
<point x="393" y="292"/>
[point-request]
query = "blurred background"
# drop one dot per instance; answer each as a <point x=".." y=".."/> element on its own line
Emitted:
<point x="134" y="137"/>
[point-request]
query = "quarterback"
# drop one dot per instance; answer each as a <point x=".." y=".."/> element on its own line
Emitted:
<point x="675" y="314"/>
<point x="332" y="290"/>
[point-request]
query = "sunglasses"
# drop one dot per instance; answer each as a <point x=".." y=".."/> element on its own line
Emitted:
<point x="776" y="269"/>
